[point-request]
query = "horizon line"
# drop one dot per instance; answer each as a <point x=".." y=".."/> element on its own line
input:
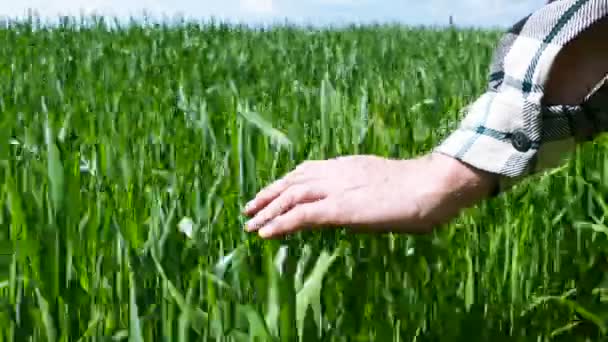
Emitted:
<point x="145" y="18"/>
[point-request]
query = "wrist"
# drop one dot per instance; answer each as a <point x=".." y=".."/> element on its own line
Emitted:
<point x="463" y="180"/>
<point x="458" y="186"/>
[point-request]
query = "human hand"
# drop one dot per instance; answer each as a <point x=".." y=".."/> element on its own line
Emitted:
<point x="367" y="193"/>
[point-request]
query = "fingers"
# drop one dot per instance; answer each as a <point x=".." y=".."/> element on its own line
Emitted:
<point x="290" y="203"/>
<point x="320" y="213"/>
<point x="266" y="196"/>
<point x="271" y="192"/>
<point x="285" y="201"/>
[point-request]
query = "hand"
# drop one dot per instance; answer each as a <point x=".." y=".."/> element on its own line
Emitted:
<point x="367" y="193"/>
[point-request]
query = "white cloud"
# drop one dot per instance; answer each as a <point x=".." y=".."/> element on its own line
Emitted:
<point x="258" y="6"/>
<point x="340" y="2"/>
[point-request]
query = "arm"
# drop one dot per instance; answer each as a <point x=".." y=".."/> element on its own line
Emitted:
<point x="581" y="66"/>
<point x="529" y="118"/>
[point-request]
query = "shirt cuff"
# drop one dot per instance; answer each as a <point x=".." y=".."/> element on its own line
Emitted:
<point x="492" y="138"/>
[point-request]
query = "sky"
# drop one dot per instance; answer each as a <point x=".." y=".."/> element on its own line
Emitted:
<point x="476" y="13"/>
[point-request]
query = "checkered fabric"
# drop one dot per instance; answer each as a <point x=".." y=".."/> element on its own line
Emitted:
<point x="508" y="131"/>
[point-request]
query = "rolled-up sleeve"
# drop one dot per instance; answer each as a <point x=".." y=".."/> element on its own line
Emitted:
<point x="508" y="130"/>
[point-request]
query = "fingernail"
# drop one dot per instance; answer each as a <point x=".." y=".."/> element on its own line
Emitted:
<point x="249" y="205"/>
<point x="265" y="233"/>
<point x="267" y="230"/>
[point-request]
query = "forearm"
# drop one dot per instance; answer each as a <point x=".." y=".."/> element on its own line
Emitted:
<point x="455" y="186"/>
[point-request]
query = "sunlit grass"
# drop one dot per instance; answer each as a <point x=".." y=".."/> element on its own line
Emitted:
<point x="114" y="141"/>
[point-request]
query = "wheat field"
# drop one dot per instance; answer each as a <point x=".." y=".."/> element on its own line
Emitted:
<point x="127" y="154"/>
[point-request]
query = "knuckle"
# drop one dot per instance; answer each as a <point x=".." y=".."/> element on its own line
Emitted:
<point x="273" y="188"/>
<point x="303" y="166"/>
<point x="331" y="214"/>
<point x="296" y="193"/>
<point x="303" y="215"/>
<point x="264" y="192"/>
<point x="313" y="214"/>
<point x="290" y="199"/>
<point x="302" y="192"/>
<point x="264" y="217"/>
<point x="288" y="180"/>
<point x="293" y="178"/>
<point x="308" y="165"/>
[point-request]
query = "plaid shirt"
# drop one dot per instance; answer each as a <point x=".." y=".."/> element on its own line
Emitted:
<point x="509" y="131"/>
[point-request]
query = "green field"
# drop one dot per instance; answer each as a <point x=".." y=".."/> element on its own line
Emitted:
<point x="109" y="139"/>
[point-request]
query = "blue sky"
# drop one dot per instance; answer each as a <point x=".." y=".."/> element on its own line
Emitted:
<point x="480" y="13"/>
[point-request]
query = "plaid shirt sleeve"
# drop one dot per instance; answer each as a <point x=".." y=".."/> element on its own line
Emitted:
<point x="508" y="131"/>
